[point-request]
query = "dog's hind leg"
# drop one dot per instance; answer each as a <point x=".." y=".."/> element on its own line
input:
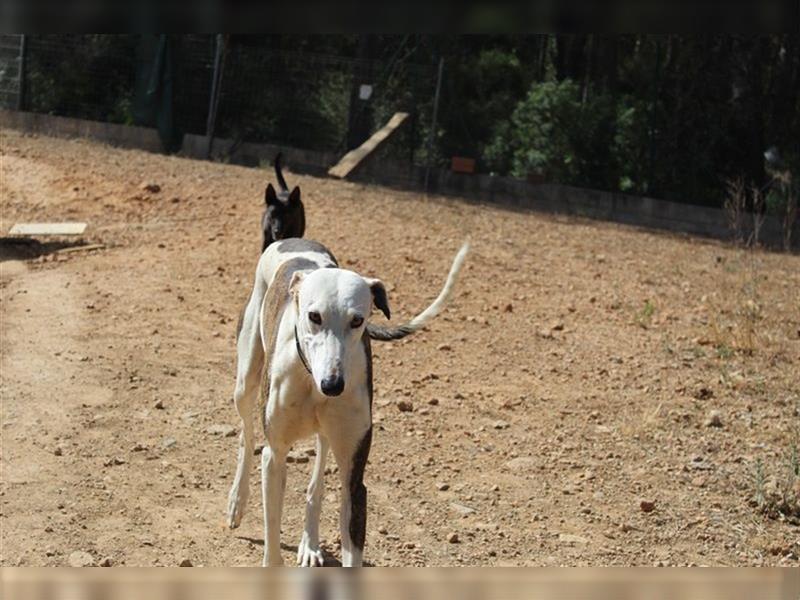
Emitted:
<point x="250" y="365"/>
<point x="273" y="486"/>
<point x="308" y="552"/>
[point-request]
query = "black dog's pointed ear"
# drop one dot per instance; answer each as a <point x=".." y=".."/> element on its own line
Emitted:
<point x="295" y="195"/>
<point x="379" y="298"/>
<point x="270" y="197"/>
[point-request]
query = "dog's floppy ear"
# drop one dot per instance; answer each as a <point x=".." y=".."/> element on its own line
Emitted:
<point x="295" y="195"/>
<point x="270" y="197"/>
<point x="379" y="298"/>
<point x="297" y="279"/>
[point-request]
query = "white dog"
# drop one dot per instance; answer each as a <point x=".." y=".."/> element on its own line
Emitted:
<point x="309" y="319"/>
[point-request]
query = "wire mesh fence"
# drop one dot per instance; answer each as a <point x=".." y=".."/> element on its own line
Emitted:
<point x="10" y="70"/>
<point x="300" y="98"/>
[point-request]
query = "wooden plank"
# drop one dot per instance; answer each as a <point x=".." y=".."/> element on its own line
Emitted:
<point x="352" y="159"/>
<point x="66" y="228"/>
<point x="84" y="248"/>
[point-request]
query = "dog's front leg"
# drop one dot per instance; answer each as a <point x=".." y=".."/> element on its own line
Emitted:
<point x="353" y="515"/>
<point x="273" y="485"/>
<point x="308" y="551"/>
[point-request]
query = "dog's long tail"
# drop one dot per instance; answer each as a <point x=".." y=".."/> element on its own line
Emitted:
<point x="386" y="334"/>
<point x="278" y="174"/>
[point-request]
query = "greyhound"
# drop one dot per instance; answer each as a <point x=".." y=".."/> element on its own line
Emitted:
<point x="283" y="216"/>
<point x="305" y="335"/>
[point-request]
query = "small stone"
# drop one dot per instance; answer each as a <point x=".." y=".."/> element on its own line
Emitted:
<point x="296" y="457"/>
<point x="382" y="530"/>
<point x="405" y="406"/>
<point x="443" y="347"/>
<point x="107" y="562"/>
<point x="461" y="509"/>
<point x="703" y="393"/>
<point x="568" y="538"/>
<point x="647" y="506"/>
<point x="453" y="538"/>
<point x="433" y="402"/>
<point x="58" y="451"/>
<point x="699" y="481"/>
<point x="159" y="404"/>
<point x="500" y="425"/>
<point x="80" y="558"/>
<point x="153" y="188"/>
<point x="557" y="326"/>
<point x="714" y="419"/>
<point x="186" y="563"/>
<point x="223" y="430"/>
<point x="442" y="487"/>
<point x="169" y="443"/>
<point x="509" y="308"/>
<point x="112" y="462"/>
<point x="495" y="488"/>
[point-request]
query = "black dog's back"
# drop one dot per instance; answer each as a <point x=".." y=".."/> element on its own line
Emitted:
<point x="284" y="216"/>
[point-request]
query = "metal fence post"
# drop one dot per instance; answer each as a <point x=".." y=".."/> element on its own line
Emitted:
<point x="433" y="123"/>
<point x="213" y="103"/>
<point x="23" y="47"/>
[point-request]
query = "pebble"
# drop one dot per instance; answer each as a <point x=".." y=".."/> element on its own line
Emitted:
<point x="462" y="509"/>
<point x="453" y="538"/>
<point x="58" y="451"/>
<point x="405" y="406"/>
<point x="699" y="481"/>
<point x="647" y="506"/>
<point x="159" y="404"/>
<point x="521" y="464"/>
<point x="296" y="457"/>
<point x="714" y="419"/>
<point x="442" y="487"/>
<point x="444" y="347"/>
<point x="153" y="188"/>
<point x="501" y="424"/>
<point x="568" y="538"/>
<point x="79" y="558"/>
<point x="186" y="563"/>
<point x="112" y="462"/>
<point x="223" y="430"/>
<point x="383" y="530"/>
<point x="169" y="443"/>
<point x="107" y="562"/>
<point x="433" y="402"/>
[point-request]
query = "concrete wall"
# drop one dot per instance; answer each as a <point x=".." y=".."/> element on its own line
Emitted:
<point x="380" y="169"/>
<point x="126" y="136"/>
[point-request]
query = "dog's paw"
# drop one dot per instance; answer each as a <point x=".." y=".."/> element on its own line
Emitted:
<point x="236" y="504"/>
<point x="309" y="555"/>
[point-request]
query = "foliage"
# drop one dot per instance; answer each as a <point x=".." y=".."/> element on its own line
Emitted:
<point x="670" y="116"/>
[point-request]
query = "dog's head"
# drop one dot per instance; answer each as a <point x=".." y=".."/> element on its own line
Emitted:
<point x="283" y="216"/>
<point x="332" y="307"/>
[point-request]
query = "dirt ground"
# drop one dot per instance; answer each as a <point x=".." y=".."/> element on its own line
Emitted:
<point x="563" y="405"/>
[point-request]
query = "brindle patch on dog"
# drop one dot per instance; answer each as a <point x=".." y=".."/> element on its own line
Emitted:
<point x="301" y="245"/>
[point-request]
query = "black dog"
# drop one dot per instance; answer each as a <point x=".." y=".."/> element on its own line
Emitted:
<point x="284" y="216"/>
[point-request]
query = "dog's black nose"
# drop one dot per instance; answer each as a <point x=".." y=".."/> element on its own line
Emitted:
<point x="333" y="386"/>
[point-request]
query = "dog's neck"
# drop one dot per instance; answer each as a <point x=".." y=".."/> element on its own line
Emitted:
<point x="300" y="351"/>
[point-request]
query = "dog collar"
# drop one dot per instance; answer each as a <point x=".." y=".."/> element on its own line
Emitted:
<point x="300" y="351"/>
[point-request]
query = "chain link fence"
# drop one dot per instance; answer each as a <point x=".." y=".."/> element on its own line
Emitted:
<point x="297" y="98"/>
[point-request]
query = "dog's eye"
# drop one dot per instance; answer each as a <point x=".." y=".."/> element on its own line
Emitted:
<point x="314" y="317"/>
<point x="356" y="322"/>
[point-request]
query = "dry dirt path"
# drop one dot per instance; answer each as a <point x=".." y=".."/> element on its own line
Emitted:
<point x="570" y="379"/>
